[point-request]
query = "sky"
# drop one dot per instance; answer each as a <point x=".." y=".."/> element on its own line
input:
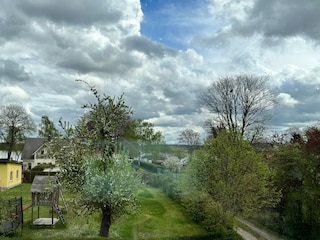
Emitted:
<point x="160" y="54"/>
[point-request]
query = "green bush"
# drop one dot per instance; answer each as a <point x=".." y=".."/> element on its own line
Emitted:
<point x="167" y="184"/>
<point x="208" y="213"/>
<point x="203" y="209"/>
<point x="170" y="187"/>
<point x="41" y="167"/>
<point x="29" y="175"/>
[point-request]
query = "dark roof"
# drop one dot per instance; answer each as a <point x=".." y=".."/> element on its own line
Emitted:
<point x="30" y="146"/>
<point x="5" y="160"/>
<point x="42" y="183"/>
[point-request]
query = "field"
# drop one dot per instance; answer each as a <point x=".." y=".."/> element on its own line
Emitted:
<point x="158" y="218"/>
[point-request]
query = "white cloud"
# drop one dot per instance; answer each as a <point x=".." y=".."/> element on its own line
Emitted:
<point x="13" y="95"/>
<point x="46" y="45"/>
<point x="287" y="100"/>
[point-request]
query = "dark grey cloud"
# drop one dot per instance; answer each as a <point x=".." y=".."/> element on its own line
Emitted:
<point x="75" y="12"/>
<point x="109" y="60"/>
<point x="51" y="22"/>
<point x="148" y="47"/>
<point x="10" y="71"/>
<point x="286" y="18"/>
<point x="306" y="96"/>
<point x="183" y="98"/>
<point x="299" y="89"/>
<point x="274" y="20"/>
<point x="11" y="25"/>
<point x="301" y="115"/>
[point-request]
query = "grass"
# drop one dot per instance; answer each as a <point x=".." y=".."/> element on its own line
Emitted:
<point x="158" y="218"/>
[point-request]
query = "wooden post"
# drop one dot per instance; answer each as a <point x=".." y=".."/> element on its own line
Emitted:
<point x="22" y="220"/>
<point x="32" y="213"/>
<point x="51" y="214"/>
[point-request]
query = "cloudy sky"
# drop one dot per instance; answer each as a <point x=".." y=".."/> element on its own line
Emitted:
<point x="160" y="54"/>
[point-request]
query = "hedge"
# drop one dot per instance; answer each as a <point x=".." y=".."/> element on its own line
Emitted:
<point x="29" y="175"/>
<point x="151" y="167"/>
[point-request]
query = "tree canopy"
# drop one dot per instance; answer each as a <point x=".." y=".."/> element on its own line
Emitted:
<point x="239" y="103"/>
<point x="297" y="167"/>
<point x="141" y="138"/>
<point x="232" y="174"/>
<point x="47" y="128"/>
<point x="191" y="138"/>
<point x="15" y="124"/>
<point x="93" y="165"/>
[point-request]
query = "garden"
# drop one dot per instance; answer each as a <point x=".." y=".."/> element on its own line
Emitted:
<point x="157" y="218"/>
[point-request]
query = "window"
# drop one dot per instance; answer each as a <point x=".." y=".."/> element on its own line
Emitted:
<point x="11" y="175"/>
<point x="17" y="174"/>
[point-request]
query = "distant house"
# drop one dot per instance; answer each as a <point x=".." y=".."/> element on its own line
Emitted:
<point x="10" y="173"/>
<point x="35" y="152"/>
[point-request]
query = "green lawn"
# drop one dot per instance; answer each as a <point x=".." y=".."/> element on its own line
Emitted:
<point x="158" y="218"/>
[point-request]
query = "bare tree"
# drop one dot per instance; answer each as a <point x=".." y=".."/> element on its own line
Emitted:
<point x="240" y="103"/>
<point x="14" y="124"/>
<point x="190" y="138"/>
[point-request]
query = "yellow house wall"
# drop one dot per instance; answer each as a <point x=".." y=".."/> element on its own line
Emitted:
<point x="3" y="175"/>
<point x="5" y="169"/>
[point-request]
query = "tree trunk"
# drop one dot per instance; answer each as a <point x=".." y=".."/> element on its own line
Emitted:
<point x="105" y="221"/>
<point x="9" y="154"/>
<point x="11" y="136"/>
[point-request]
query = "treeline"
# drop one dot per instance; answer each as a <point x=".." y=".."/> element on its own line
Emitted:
<point x="276" y="184"/>
<point x="296" y="166"/>
<point x="225" y="178"/>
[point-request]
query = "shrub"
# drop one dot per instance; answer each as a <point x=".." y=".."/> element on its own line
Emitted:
<point x="167" y="184"/>
<point x="29" y="175"/>
<point x="207" y="212"/>
<point x="173" y="164"/>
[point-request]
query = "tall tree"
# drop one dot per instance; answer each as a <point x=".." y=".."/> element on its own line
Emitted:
<point x="313" y="140"/>
<point x="232" y="174"/>
<point x="47" y="128"/>
<point x="141" y="137"/>
<point x="15" y="123"/>
<point x="297" y="167"/>
<point x="93" y="165"/>
<point x="190" y="138"/>
<point x="149" y="140"/>
<point x="240" y="103"/>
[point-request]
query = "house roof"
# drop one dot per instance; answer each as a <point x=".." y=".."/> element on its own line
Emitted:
<point x="41" y="184"/>
<point x="30" y="146"/>
<point x="5" y="160"/>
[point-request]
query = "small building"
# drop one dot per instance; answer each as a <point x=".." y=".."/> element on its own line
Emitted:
<point x="35" y="152"/>
<point x="10" y="174"/>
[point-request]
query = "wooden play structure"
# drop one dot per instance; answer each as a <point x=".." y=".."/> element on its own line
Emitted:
<point x="46" y="191"/>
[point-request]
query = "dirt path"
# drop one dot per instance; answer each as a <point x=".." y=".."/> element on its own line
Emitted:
<point x="245" y="235"/>
<point x="262" y="233"/>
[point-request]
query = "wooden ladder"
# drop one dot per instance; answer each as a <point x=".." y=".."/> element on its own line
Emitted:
<point x="56" y="206"/>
